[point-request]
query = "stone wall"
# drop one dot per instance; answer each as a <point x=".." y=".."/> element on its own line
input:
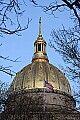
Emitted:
<point x="40" y="104"/>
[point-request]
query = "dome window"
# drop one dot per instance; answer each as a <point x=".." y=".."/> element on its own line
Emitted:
<point x="40" y="66"/>
<point x="68" y="90"/>
<point x="50" y="68"/>
<point x="59" y="86"/>
<point x="30" y="68"/>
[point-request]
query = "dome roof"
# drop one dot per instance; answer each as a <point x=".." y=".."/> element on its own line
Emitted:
<point x="33" y="75"/>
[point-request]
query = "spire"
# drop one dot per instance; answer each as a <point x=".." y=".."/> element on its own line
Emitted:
<point x="40" y="27"/>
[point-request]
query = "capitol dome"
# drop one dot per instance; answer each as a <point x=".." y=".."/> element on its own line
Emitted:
<point x="33" y="75"/>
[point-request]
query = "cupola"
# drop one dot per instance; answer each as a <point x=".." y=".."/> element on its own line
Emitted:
<point x="40" y="46"/>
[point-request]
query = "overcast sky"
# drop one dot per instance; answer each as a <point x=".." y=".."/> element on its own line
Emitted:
<point x="23" y="46"/>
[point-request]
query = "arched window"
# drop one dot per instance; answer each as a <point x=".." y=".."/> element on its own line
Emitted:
<point x="39" y="47"/>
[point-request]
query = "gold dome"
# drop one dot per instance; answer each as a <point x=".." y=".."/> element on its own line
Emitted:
<point x="33" y="75"/>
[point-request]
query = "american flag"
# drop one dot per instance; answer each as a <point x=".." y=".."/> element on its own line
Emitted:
<point x="46" y="84"/>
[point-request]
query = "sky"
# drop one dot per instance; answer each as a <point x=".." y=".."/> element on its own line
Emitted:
<point x="23" y="46"/>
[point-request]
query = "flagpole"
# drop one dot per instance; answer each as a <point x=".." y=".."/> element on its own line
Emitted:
<point x="44" y="101"/>
<point x="48" y="85"/>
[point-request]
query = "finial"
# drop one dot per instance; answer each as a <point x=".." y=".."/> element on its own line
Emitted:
<point x="40" y="32"/>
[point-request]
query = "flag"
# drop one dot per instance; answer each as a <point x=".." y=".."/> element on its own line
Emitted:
<point x="46" y="84"/>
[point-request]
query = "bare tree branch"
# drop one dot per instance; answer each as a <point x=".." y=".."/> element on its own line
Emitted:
<point x="7" y="70"/>
<point x="3" y="95"/>
<point x="10" y="13"/>
<point x="8" y="9"/>
<point x="72" y="6"/>
<point x="66" y="42"/>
